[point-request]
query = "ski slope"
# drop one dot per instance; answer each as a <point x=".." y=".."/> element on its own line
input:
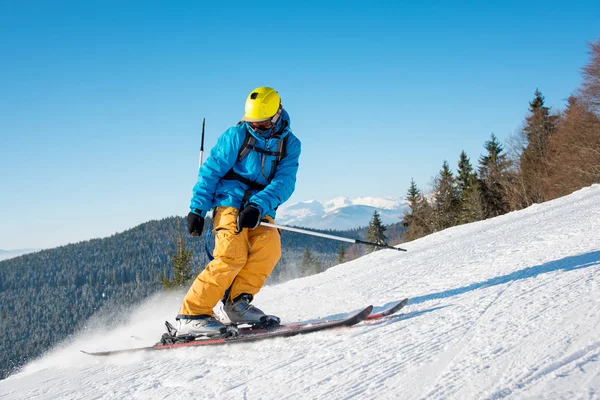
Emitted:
<point x="503" y="308"/>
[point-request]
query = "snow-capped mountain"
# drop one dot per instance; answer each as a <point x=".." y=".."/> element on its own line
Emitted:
<point x="506" y="308"/>
<point x="340" y="213"/>
<point x="6" y="254"/>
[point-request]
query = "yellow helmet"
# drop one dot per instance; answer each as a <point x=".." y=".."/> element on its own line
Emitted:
<point x="262" y="104"/>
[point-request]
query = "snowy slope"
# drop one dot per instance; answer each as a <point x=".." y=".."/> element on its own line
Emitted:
<point x="503" y="308"/>
<point x="340" y="213"/>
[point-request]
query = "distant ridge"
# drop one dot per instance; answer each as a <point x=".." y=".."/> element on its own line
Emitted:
<point x="6" y="254"/>
<point x="341" y="212"/>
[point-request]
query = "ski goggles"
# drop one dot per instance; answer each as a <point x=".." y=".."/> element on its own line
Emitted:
<point x="266" y="125"/>
<point x="262" y="125"/>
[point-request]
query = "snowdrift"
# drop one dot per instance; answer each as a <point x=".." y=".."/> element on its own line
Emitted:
<point x="503" y="308"/>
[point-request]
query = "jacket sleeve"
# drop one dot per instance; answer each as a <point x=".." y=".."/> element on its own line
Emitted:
<point x="284" y="181"/>
<point x="221" y="159"/>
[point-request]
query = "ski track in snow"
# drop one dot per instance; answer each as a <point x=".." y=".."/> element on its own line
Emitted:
<point x="507" y="308"/>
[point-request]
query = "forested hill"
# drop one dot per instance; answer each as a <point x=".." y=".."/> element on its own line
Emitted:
<point x="48" y="295"/>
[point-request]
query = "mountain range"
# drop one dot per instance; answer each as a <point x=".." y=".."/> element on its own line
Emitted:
<point x="6" y="254"/>
<point x="341" y="212"/>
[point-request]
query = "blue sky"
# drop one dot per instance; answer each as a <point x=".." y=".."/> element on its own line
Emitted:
<point x="101" y="103"/>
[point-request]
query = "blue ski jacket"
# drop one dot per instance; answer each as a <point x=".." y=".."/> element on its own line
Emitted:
<point x="213" y="191"/>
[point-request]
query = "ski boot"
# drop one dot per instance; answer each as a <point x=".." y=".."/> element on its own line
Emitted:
<point x="241" y="312"/>
<point x="201" y="326"/>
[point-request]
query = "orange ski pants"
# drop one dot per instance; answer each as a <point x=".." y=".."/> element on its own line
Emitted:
<point x="242" y="261"/>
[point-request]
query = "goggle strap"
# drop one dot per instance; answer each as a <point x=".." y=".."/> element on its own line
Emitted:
<point x="277" y="115"/>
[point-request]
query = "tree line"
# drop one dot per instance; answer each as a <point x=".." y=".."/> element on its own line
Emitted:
<point x="552" y="154"/>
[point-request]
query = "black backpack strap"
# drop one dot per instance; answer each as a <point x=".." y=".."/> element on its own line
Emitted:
<point x="279" y="155"/>
<point x="247" y="146"/>
<point x="282" y="148"/>
<point x="234" y="176"/>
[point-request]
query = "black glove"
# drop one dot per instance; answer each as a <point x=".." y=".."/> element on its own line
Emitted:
<point x="249" y="217"/>
<point x="195" y="223"/>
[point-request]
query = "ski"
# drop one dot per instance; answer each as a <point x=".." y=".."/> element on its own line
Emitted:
<point x="391" y="309"/>
<point x="247" y="334"/>
<point x="281" y="331"/>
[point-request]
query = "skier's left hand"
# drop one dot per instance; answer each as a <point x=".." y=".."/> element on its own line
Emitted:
<point x="195" y="223"/>
<point x="249" y="217"/>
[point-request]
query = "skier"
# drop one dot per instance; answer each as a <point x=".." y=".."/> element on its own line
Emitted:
<point x="249" y="173"/>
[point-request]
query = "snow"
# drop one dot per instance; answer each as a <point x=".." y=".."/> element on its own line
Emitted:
<point x="381" y="203"/>
<point x="341" y="212"/>
<point x="503" y="308"/>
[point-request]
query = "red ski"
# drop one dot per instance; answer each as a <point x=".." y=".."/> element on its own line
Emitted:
<point x="247" y="335"/>
<point x="389" y="310"/>
<point x="392" y="309"/>
<point x="281" y="331"/>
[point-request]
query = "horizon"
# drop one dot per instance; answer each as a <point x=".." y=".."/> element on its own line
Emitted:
<point x="33" y="250"/>
<point x="103" y="105"/>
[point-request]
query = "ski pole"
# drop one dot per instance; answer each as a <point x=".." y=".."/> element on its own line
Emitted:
<point x="202" y="144"/>
<point x="324" y="235"/>
<point x="208" y="232"/>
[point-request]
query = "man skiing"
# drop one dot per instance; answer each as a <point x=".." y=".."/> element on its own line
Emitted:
<point x="249" y="173"/>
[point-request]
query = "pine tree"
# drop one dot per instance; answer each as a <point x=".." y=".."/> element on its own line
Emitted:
<point x="307" y="264"/>
<point x="538" y="128"/>
<point x="341" y="255"/>
<point x="445" y="199"/>
<point x="465" y="176"/>
<point x="376" y="232"/>
<point x="493" y="168"/>
<point x="418" y="218"/>
<point x="181" y="259"/>
<point x="468" y="192"/>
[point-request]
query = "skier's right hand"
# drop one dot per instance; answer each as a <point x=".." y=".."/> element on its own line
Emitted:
<point x="195" y="223"/>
